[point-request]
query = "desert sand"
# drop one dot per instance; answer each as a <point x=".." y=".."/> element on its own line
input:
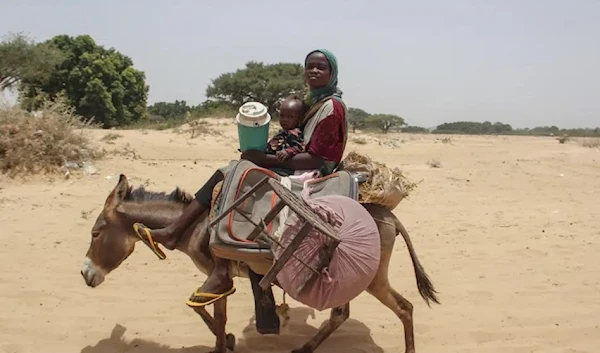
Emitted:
<point x="506" y="228"/>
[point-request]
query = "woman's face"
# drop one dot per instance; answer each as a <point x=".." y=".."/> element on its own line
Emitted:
<point x="317" y="71"/>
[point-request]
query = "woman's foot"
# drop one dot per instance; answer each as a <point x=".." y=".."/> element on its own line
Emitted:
<point x="217" y="286"/>
<point x="164" y="236"/>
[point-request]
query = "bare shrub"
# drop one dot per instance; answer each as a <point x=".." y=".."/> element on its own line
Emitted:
<point x="390" y="143"/>
<point x="198" y="128"/>
<point x="126" y="151"/>
<point x="360" y="141"/>
<point x="111" y="137"/>
<point x="43" y="142"/>
<point x="591" y="143"/>
<point x="434" y="163"/>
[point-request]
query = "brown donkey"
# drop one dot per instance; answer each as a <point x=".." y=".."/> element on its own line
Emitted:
<point x="113" y="240"/>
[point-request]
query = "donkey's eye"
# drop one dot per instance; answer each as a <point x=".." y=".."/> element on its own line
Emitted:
<point x="95" y="234"/>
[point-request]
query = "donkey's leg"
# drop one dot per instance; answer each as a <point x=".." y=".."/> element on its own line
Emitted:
<point x="210" y="323"/>
<point x="400" y="306"/>
<point x="337" y="317"/>
<point x="219" y="325"/>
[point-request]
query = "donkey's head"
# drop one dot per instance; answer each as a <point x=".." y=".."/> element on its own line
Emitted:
<point x="113" y="237"/>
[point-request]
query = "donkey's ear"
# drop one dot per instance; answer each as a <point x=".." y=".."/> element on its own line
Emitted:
<point x="118" y="194"/>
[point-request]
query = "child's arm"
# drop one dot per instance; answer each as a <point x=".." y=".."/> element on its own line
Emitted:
<point x="296" y="144"/>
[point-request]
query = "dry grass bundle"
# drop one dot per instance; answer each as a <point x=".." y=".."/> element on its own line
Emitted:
<point x="383" y="186"/>
<point x="31" y="144"/>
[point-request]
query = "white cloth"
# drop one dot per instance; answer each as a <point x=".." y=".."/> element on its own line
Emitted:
<point x="283" y="215"/>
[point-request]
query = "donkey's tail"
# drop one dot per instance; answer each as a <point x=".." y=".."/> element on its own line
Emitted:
<point x="423" y="282"/>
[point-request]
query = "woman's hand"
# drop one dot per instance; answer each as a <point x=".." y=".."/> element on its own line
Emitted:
<point x="254" y="156"/>
<point x="262" y="159"/>
<point x="282" y="156"/>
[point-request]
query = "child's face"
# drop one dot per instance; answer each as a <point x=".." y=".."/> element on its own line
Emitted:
<point x="291" y="114"/>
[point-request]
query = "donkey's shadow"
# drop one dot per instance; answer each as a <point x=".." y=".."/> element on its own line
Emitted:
<point x="352" y="335"/>
<point x="116" y="343"/>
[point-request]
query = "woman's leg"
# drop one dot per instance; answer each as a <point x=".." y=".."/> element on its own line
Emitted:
<point x="219" y="281"/>
<point x="169" y="235"/>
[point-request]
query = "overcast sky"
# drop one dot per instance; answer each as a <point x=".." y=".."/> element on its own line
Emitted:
<point x="522" y="62"/>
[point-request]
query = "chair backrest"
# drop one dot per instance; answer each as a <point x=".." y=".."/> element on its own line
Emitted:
<point x="242" y="175"/>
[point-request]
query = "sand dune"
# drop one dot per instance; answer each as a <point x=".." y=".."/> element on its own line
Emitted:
<point x="506" y="228"/>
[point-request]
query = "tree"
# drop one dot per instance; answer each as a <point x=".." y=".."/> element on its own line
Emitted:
<point x="473" y="128"/>
<point x="265" y="83"/>
<point x="21" y="58"/>
<point x="357" y="118"/>
<point x="99" y="83"/>
<point x="175" y="110"/>
<point x="415" y="130"/>
<point x="385" y="121"/>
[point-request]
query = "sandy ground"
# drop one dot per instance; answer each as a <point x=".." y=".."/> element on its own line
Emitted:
<point x="506" y="229"/>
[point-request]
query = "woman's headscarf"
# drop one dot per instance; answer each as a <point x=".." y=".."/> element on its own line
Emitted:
<point x="331" y="89"/>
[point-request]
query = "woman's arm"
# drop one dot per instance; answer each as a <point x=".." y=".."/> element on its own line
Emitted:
<point x="327" y="143"/>
<point x="302" y="160"/>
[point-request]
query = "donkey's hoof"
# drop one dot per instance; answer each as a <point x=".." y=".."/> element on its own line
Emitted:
<point x="230" y="341"/>
<point x="304" y="349"/>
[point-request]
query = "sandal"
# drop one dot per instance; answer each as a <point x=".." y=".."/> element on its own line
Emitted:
<point x="191" y="302"/>
<point x="147" y="239"/>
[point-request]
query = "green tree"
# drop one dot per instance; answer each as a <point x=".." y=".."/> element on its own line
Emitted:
<point x="357" y="118"/>
<point x="265" y="83"/>
<point x="473" y="128"/>
<point x="21" y="58"/>
<point x="99" y="83"/>
<point x="415" y="130"/>
<point x="385" y="121"/>
<point x="169" y="110"/>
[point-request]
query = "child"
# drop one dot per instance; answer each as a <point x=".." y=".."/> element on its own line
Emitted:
<point x="288" y="141"/>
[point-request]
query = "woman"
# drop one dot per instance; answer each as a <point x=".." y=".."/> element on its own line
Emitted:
<point x="325" y="132"/>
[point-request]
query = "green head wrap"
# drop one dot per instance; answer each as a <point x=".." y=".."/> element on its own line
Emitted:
<point x="331" y="89"/>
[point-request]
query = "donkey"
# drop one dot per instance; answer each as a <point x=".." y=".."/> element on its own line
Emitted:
<point x="113" y="240"/>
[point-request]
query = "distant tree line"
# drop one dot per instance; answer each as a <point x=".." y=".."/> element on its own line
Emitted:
<point x="360" y="119"/>
<point x="498" y="128"/>
<point x="101" y="83"/>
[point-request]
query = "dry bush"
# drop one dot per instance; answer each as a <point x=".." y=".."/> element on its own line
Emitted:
<point x="111" y="137"/>
<point x="196" y="128"/>
<point x="434" y="163"/>
<point x="563" y="139"/>
<point x="45" y="142"/>
<point x="591" y="143"/>
<point x="126" y="152"/>
<point x="360" y="141"/>
<point x="392" y="143"/>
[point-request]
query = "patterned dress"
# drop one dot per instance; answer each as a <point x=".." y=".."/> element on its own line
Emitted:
<point x="290" y="141"/>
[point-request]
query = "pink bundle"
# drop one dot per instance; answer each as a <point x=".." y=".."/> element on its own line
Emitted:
<point x="354" y="263"/>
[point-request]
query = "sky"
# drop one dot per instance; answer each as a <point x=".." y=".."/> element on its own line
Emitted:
<point x="522" y="62"/>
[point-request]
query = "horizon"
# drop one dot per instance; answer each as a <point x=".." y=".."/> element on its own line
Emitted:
<point x="516" y="62"/>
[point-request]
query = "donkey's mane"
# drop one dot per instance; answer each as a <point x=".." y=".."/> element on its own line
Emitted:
<point x="140" y="194"/>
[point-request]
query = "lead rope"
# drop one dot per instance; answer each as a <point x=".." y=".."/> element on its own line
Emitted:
<point x="283" y="311"/>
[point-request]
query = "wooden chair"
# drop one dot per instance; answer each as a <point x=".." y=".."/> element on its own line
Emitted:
<point x="310" y="221"/>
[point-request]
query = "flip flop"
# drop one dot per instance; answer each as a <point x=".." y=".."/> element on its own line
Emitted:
<point x="214" y="298"/>
<point x="147" y="239"/>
